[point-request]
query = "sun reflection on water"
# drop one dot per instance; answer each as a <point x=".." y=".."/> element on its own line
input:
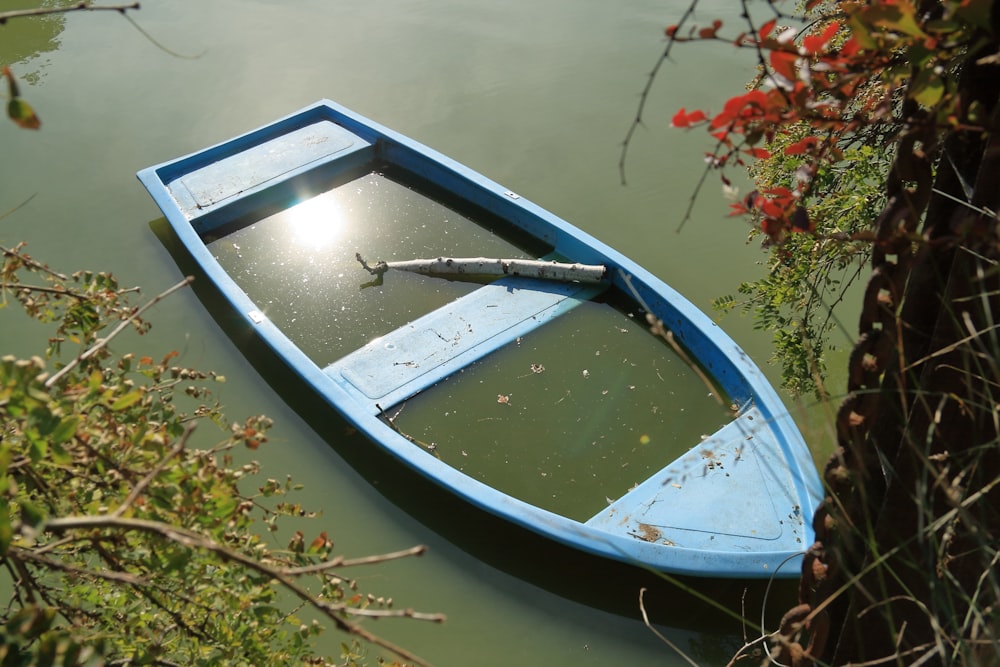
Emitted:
<point x="317" y="223"/>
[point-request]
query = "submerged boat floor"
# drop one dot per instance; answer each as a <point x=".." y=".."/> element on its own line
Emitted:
<point x="426" y="351"/>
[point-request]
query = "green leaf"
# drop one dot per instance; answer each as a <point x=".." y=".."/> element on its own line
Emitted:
<point x="6" y="530"/>
<point x="65" y="430"/>
<point x="127" y="400"/>
<point x="31" y="621"/>
<point x="31" y="514"/>
<point x="927" y="88"/>
<point x="976" y="12"/>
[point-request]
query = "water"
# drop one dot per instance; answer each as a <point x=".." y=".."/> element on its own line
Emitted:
<point x="536" y="96"/>
<point x="299" y="265"/>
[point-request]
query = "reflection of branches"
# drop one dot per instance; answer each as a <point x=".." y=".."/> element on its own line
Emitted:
<point x="83" y="5"/>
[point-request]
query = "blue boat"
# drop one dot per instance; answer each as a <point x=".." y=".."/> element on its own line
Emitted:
<point x="609" y="415"/>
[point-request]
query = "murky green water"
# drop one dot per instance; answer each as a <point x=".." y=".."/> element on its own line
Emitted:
<point x="537" y="96"/>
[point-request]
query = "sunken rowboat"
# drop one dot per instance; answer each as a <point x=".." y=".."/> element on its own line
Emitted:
<point x="602" y="411"/>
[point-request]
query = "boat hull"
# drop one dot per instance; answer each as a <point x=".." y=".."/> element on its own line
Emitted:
<point x="737" y="504"/>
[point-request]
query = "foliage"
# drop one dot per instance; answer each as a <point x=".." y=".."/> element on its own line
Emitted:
<point x="121" y="539"/>
<point x="809" y="274"/>
<point x="903" y="569"/>
<point x="822" y="90"/>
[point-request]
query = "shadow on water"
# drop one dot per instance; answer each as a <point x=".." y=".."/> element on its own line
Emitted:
<point x="679" y="602"/>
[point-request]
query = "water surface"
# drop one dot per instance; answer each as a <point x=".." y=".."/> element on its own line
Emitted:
<point x="537" y="96"/>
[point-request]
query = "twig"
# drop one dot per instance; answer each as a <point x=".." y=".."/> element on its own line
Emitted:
<point x="160" y="45"/>
<point x="659" y="329"/>
<point x="340" y="561"/>
<point x="145" y="481"/>
<point x="194" y="540"/>
<point x="109" y="575"/>
<point x="16" y="252"/>
<point x="14" y="209"/>
<point x="83" y="5"/>
<point x="464" y="267"/>
<point x="645" y="619"/>
<point x="644" y="95"/>
<point x="103" y="342"/>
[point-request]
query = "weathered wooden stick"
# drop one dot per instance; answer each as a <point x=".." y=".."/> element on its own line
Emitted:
<point x="484" y="266"/>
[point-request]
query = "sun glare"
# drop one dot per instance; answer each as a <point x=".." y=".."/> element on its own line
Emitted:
<point x="318" y="222"/>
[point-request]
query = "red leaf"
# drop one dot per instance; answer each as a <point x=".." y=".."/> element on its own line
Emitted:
<point x="780" y="193"/>
<point x="784" y="63"/>
<point x="680" y="119"/>
<point x="802" y="146"/>
<point x="766" y="29"/>
<point x="813" y="44"/>
<point x="684" y="119"/>
<point x="671" y="30"/>
<point x="759" y="153"/>
<point x="850" y="48"/>
<point x="771" y="227"/>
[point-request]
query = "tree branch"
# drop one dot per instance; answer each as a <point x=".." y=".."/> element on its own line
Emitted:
<point x="103" y="342"/>
<point x="83" y="5"/>
<point x="194" y="540"/>
<point x="644" y="95"/>
<point x="145" y="481"/>
<point x="340" y="561"/>
<point x="30" y="555"/>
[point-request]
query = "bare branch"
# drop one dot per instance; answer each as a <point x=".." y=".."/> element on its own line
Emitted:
<point x="644" y="95"/>
<point x="83" y="5"/>
<point x="340" y="561"/>
<point x="16" y="251"/>
<point x="659" y="635"/>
